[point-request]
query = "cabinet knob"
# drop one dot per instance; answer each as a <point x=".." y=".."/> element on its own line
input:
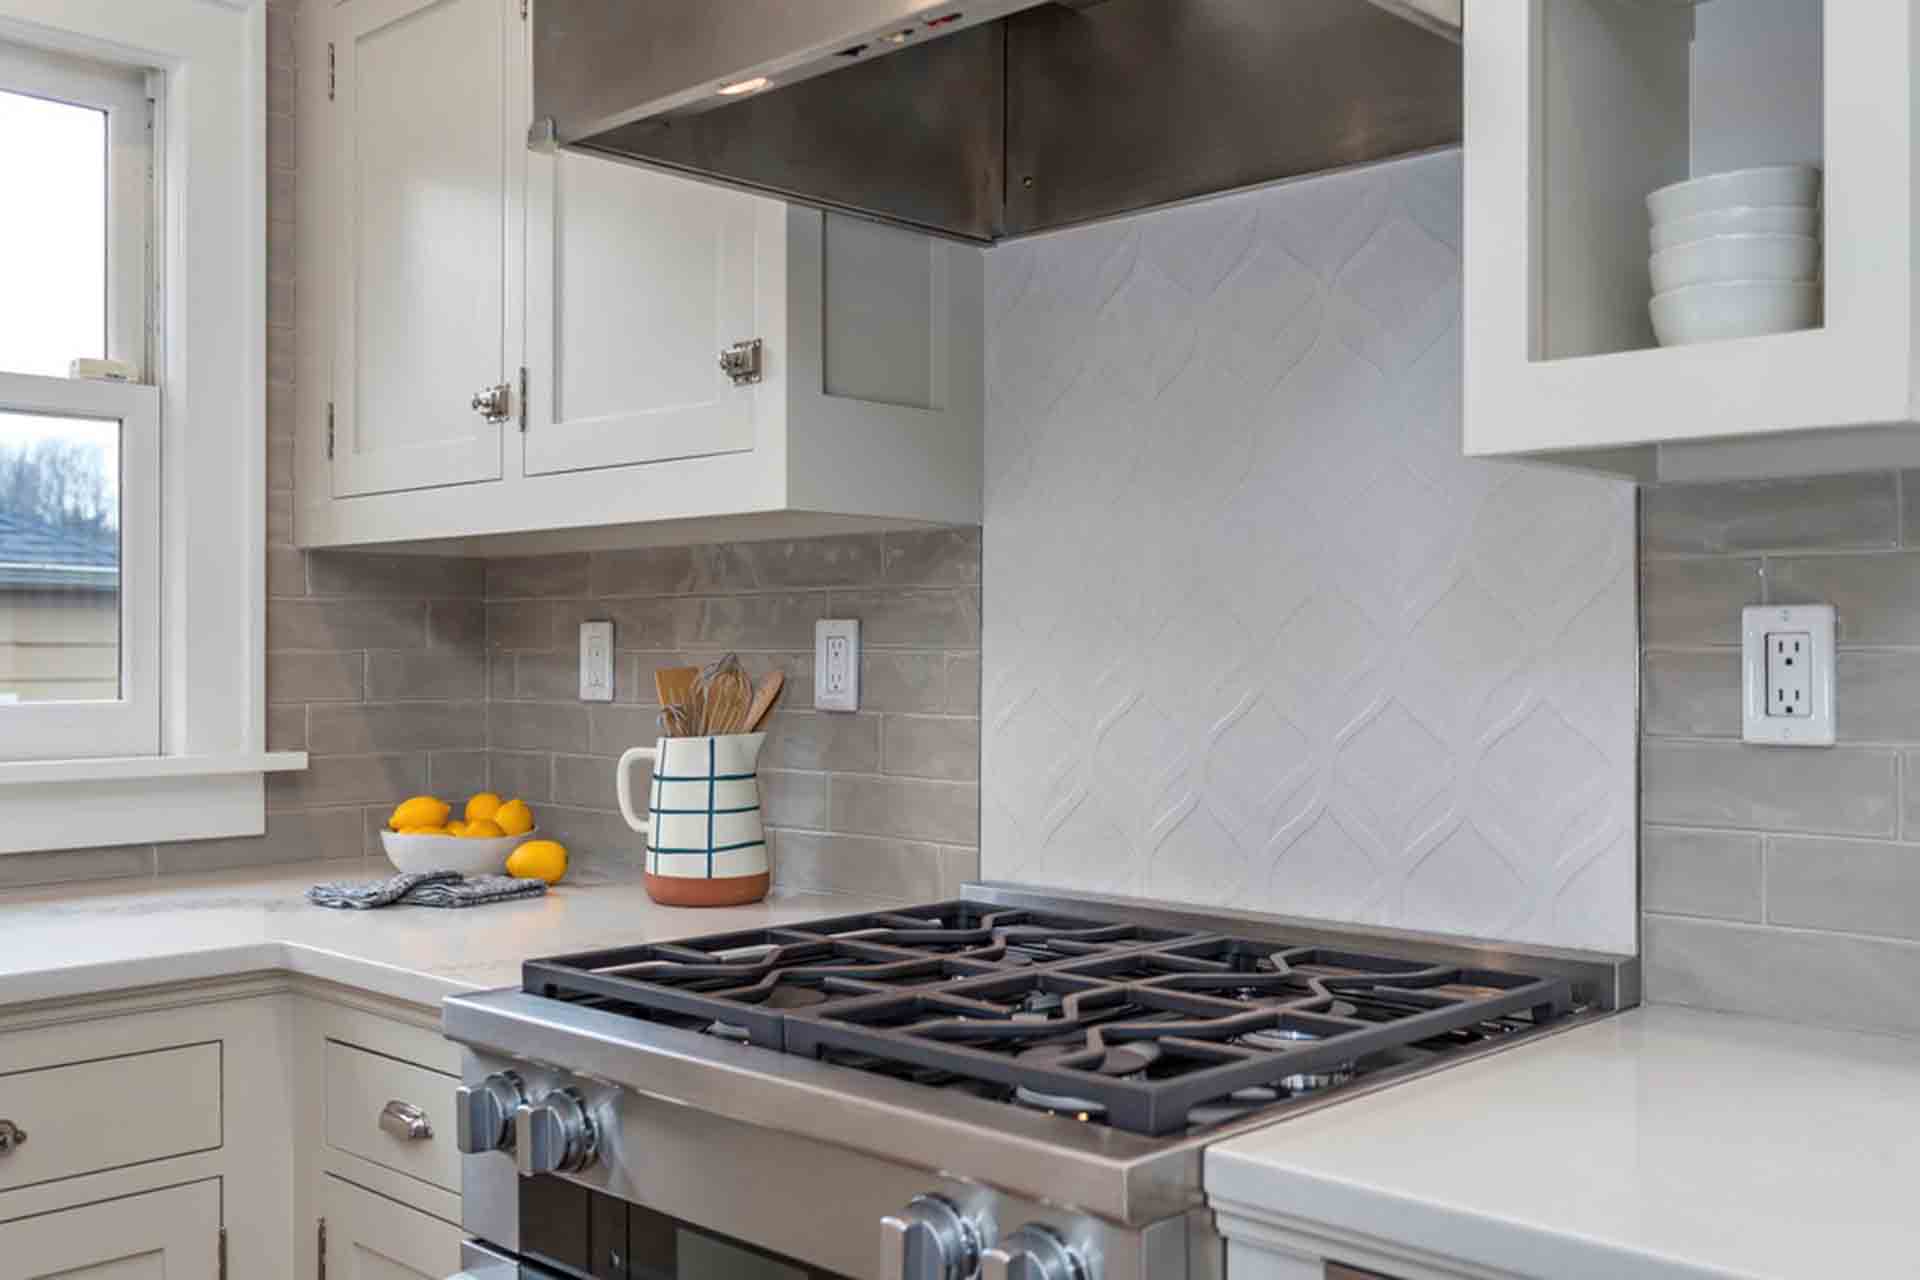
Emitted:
<point x="741" y="362"/>
<point x="494" y="403"/>
<point x="405" y="1121"/>
<point x="11" y="1136"/>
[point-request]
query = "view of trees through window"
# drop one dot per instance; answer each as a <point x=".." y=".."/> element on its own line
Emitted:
<point x="59" y="559"/>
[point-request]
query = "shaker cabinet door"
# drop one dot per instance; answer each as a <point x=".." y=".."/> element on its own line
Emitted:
<point x="370" y="1237"/>
<point x="636" y="281"/>
<point x="428" y="128"/>
<point x="163" y="1235"/>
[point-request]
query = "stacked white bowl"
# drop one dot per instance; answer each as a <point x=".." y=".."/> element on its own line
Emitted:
<point x="1736" y="254"/>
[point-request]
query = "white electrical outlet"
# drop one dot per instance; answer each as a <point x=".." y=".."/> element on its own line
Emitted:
<point x="596" y="662"/>
<point x="1787" y="674"/>
<point x="836" y="664"/>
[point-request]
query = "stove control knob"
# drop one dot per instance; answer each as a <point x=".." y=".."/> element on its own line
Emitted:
<point x="483" y="1113"/>
<point x="1034" y="1252"/>
<point x="929" y="1240"/>
<point x="555" y="1134"/>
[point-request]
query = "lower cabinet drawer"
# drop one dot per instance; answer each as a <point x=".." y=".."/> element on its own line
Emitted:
<point x="85" y="1117"/>
<point x="393" y="1113"/>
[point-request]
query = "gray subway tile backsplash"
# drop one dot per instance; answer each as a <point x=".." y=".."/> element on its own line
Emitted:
<point x="852" y="814"/>
<point x="1832" y="791"/>
<point x="1852" y="886"/>
<point x="1701" y="873"/>
<point x="1825" y="512"/>
<point x="1774" y="880"/>
<point x="1696" y="602"/>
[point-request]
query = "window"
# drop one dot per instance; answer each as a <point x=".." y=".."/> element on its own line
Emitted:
<point x="79" y="458"/>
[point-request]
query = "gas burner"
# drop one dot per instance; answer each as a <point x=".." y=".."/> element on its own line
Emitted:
<point x="1232" y="1107"/>
<point x="1060" y="1104"/>
<point x="1281" y="1039"/>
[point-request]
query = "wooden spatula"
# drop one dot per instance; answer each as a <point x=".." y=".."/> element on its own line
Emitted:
<point x="674" y="686"/>
<point x="765" y="694"/>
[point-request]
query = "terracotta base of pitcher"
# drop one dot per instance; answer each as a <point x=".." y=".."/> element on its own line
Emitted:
<point x="689" y="891"/>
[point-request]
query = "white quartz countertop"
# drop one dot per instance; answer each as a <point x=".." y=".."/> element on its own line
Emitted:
<point x="75" y="940"/>
<point x="1663" y="1142"/>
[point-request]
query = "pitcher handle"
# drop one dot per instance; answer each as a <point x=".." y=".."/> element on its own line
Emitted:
<point x="623" y="784"/>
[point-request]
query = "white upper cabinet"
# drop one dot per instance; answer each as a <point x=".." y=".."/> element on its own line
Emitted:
<point x="603" y="299"/>
<point x="427" y="161"/>
<point x="1575" y="111"/>
<point x="635" y="282"/>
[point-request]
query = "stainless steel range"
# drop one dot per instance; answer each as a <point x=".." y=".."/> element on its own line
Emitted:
<point x="1005" y="1085"/>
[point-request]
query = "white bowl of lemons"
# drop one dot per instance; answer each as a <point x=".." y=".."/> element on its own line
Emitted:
<point x="422" y="835"/>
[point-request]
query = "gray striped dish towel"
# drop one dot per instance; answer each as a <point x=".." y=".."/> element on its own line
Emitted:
<point x="425" y="889"/>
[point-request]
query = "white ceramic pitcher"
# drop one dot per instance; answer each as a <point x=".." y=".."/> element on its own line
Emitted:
<point x="706" y="846"/>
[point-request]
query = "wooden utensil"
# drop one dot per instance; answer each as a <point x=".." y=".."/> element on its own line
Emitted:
<point x="765" y="694"/>
<point x="674" y="686"/>
<point x="723" y="693"/>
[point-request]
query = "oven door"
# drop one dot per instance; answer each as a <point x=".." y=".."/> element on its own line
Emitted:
<point x="572" y="1232"/>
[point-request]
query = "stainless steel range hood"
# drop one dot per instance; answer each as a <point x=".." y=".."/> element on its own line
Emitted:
<point x="982" y="119"/>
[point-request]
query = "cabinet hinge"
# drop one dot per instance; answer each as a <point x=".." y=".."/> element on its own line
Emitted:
<point x="523" y="398"/>
<point x="523" y="10"/>
<point x="320" y="1255"/>
<point x="223" y="1253"/>
<point x="329" y="431"/>
<point x="331" y="80"/>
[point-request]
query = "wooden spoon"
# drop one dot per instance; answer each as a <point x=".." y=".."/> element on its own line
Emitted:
<point x="674" y="686"/>
<point x="729" y="695"/>
<point x="764" y="696"/>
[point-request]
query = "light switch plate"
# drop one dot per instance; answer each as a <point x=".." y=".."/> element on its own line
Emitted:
<point x="596" y="662"/>
<point x="836" y="664"/>
<point x="1787" y="690"/>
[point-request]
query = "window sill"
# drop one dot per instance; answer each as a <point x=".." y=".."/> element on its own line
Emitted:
<point x="75" y="804"/>
<point x="134" y="768"/>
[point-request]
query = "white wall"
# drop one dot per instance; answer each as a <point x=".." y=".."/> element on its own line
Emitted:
<point x="1254" y="632"/>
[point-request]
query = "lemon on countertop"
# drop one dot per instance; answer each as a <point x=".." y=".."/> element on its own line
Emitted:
<point x="484" y="805"/>
<point x="482" y="829"/>
<point x="539" y="860"/>
<point x="514" y="817"/>
<point x="420" y="811"/>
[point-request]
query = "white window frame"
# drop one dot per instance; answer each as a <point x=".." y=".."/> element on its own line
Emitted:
<point x="128" y="725"/>
<point x="205" y="369"/>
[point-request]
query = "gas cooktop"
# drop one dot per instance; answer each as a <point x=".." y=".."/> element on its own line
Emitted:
<point x="1145" y="1028"/>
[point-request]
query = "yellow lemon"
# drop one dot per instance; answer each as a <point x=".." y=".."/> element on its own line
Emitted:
<point x="423" y="831"/>
<point x="484" y="805"/>
<point x="421" y="811"/>
<point x="514" y="817"/>
<point x="539" y="860"/>
<point x="456" y="828"/>
<point x="482" y="829"/>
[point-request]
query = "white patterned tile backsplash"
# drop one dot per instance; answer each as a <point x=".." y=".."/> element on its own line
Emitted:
<point x="1254" y="631"/>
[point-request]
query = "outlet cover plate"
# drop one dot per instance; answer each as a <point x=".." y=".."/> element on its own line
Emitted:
<point x="596" y="661"/>
<point x="1816" y="623"/>
<point x="836" y="664"/>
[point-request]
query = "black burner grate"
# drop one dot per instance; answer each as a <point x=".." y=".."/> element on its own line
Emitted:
<point x="1149" y="1030"/>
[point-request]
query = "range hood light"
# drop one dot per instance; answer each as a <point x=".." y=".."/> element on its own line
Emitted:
<point x="898" y="37"/>
<point x="739" y="87"/>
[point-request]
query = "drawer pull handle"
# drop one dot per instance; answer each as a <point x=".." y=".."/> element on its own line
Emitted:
<point x="11" y="1136"/>
<point x="405" y="1121"/>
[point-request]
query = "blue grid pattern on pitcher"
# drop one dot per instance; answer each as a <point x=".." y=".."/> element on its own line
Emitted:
<point x="712" y="810"/>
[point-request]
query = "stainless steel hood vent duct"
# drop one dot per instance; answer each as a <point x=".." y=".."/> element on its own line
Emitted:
<point x="995" y="118"/>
